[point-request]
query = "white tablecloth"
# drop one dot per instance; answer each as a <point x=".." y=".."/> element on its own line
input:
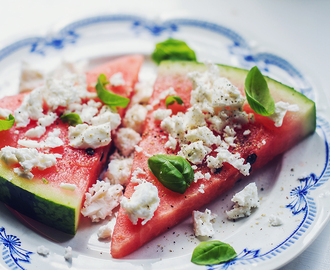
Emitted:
<point x="296" y="30"/>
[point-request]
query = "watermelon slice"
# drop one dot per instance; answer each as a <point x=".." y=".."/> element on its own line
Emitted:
<point x="48" y="202"/>
<point x="264" y="142"/>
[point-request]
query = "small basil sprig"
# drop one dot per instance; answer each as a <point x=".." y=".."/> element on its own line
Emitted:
<point x="213" y="252"/>
<point x="107" y="97"/>
<point x="171" y="99"/>
<point x="7" y="123"/>
<point x="173" y="49"/>
<point x="174" y="172"/>
<point x="72" y="119"/>
<point x="257" y="93"/>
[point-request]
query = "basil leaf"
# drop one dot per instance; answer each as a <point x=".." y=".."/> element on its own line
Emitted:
<point x="172" y="49"/>
<point x="7" y="123"/>
<point x="213" y="252"/>
<point x="45" y="180"/>
<point x="257" y="93"/>
<point x="72" y="119"/>
<point x="171" y="99"/>
<point x="174" y="172"/>
<point x="107" y="97"/>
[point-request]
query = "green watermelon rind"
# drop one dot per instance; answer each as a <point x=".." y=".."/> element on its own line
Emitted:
<point x="45" y="208"/>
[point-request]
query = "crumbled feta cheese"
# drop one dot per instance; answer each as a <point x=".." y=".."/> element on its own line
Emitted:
<point x="36" y="132"/>
<point x="225" y="156"/>
<point x="106" y="231"/>
<point x="229" y="131"/>
<point x="171" y="143"/>
<point x="52" y="141"/>
<point x="201" y="188"/>
<point x="126" y="139"/>
<point x="101" y="199"/>
<point x="280" y="110"/>
<point x="203" y="134"/>
<point x="244" y="200"/>
<point x="27" y="158"/>
<point x="161" y="114"/>
<point x="198" y="175"/>
<point x="135" y="173"/>
<point x="138" y="148"/>
<point x="246" y="132"/>
<point x="194" y="152"/>
<point x="143" y="92"/>
<point x="117" y="79"/>
<point x="47" y="120"/>
<point x="174" y="125"/>
<point x="42" y="250"/>
<point x="275" y="220"/>
<point x="21" y="173"/>
<point x="68" y="253"/>
<point x="105" y="116"/>
<point x="135" y="117"/>
<point x="207" y="176"/>
<point x="203" y="223"/>
<point x="119" y="171"/>
<point x="263" y="142"/>
<point x="83" y="136"/>
<point x="142" y="204"/>
<point x="67" y="186"/>
<point x="4" y="113"/>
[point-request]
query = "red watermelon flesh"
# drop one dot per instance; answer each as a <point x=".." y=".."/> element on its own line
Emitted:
<point x="265" y="141"/>
<point x="48" y="203"/>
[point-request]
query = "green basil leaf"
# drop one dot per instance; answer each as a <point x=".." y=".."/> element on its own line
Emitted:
<point x="257" y="93"/>
<point x="171" y="99"/>
<point x="213" y="252"/>
<point x="172" y="49"/>
<point x="7" y="123"/>
<point x="174" y="172"/>
<point x="107" y="97"/>
<point x="72" y="119"/>
<point x="45" y="180"/>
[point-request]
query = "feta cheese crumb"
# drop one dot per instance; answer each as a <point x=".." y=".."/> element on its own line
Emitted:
<point x="244" y="200"/>
<point x="101" y="199"/>
<point x="83" y="136"/>
<point x="135" y="117"/>
<point x="117" y="79"/>
<point x="142" y="204"/>
<point x="67" y="186"/>
<point x="42" y="250"/>
<point x="161" y="114"/>
<point x="106" y="231"/>
<point x="126" y="139"/>
<point x="171" y="143"/>
<point x="68" y="253"/>
<point x="201" y="188"/>
<point x="138" y="148"/>
<point x="280" y="110"/>
<point x="119" y="171"/>
<point x="263" y="142"/>
<point x="36" y="132"/>
<point x="194" y="152"/>
<point x="246" y="132"/>
<point x="203" y="223"/>
<point x="275" y="220"/>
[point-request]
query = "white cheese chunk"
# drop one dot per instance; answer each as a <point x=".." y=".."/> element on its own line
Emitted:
<point x="171" y="143"/>
<point x="161" y="114"/>
<point x="275" y="220"/>
<point x="280" y="110"/>
<point x="42" y="250"/>
<point x="203" y="134"/>
<point x="126" y="139"/>
<point x="135" y="117"/>
<point x="36" y="132"/>
<point x="68" y="253"/>
<point x="67" y="186"/>
<point x="101" y="199"/>
<point x="203" y="223"/>
<point x="47" y="120"/>
<point x="194" y="152"/>
<point x="142" y="204"/>
<point x="117" y="79"/>
<point x="119" y="171"/>
<point x="83" y="136"/>
<point x="244" y="200"/>
<point x="105" y="116"/>
<point x="106" y="231"/>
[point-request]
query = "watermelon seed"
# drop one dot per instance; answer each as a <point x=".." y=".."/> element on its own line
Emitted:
<point x="90" y="151"/>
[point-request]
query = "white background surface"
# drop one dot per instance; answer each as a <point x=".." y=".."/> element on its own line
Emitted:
<point x="295" y="30"/>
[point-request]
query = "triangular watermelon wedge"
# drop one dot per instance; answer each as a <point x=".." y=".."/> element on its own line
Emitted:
<point x="41" y="198"/>
<point x="264" y="142"/>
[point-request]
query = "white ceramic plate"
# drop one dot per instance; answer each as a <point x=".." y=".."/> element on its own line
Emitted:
<point x="303" y="204"/>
